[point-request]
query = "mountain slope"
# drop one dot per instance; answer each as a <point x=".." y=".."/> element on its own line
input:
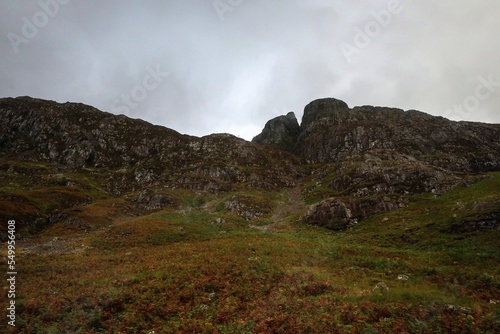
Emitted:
<point x="79" y="136"/>
<point x="373" y="157"/>
<point x="123" y="226"/>
<point x="124" y="155"/>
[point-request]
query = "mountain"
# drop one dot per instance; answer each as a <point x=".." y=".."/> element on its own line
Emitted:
<point x="362" y="160"/>
<point x="374" y="157"/>
<point x="79" y="136"/>
<point x="128" y="154"/>
<point x="364" y="219"/>
<point x="330" y="131"/>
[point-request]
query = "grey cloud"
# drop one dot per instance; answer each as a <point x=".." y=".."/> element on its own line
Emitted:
<point x="263" y="59"/>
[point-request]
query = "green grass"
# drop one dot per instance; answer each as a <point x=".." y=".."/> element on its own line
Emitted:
<point x="173" y="271"/>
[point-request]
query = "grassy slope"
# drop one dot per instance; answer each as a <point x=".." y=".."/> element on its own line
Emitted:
<point x="173" y="271"/>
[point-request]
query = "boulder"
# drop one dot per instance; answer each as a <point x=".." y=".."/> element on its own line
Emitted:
<point x="150" y="200"/>
<point x="344" y="213"/>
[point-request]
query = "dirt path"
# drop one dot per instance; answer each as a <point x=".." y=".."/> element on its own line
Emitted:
<point x="58" y="245"/>
<point x="292" y="204"/>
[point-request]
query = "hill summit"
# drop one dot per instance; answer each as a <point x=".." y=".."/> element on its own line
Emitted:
<point x="331" y="131"/>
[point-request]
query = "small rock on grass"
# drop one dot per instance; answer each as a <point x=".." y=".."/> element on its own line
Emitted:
<point x="380" y="287"/>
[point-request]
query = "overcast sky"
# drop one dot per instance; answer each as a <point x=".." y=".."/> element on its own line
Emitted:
<point x="204" y="67"/>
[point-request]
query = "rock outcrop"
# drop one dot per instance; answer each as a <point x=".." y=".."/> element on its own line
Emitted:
<point x="331" y="131"/>
<point x="248" y="207"/>
<point x="282" y="132"/>
<point x="372" y="158"/>
<point x="341" y="214"/>
<point x="459" y="146"/>
<point x="78" y="136"/>
<point x="151" y="201"/>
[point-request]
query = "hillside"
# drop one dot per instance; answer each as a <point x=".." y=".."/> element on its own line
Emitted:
<point x="356" y="220"/>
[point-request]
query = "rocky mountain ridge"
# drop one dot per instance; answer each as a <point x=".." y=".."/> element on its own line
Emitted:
<point x="348" y="163"/>
<point x="331" y="131"/>
<point x="79" y="136"/>
<point x="375" y="157"/>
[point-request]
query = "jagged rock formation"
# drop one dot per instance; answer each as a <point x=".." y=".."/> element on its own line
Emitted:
<point x="351" y="162"/>
<point x="331" y="131"/>
<point x="380" y="155"/>
<point x="282" y="132"/>
<point x="79" y="136"/>
<point x="125" y="155"/>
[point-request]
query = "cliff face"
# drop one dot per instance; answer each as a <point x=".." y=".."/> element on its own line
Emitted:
<point x="331" y="132"/>
<point x="380" y="155"/>
<point x="79" y="136"/>
<point x="282" y="132"/>
<point x="351" y="163"/>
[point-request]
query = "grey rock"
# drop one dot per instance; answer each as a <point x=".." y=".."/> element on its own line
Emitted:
<point x="324" y="110"/>
<point x="78" y="136"/>
<point x="150" y="200"/>
<point x="281" y="132"/>
<point x="248" y="207"/>
<point x="330" y="132"/>
<point x="344" y="213"/>
<point x="380" y="287"/>
<point x="218" y="221"/>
